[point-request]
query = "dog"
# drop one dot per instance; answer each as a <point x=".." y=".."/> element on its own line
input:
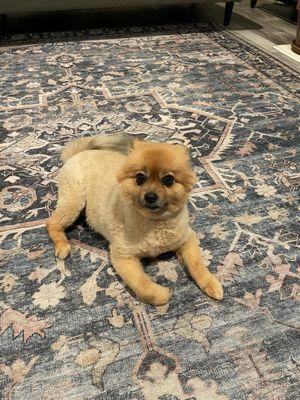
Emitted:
<point x="135" y="194"/>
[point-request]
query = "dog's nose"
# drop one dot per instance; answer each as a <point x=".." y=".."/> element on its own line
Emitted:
<point x="150" y="197"/>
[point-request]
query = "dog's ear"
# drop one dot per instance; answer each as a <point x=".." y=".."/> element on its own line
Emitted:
<point x="128" y="170"/>
<point x="187" y="176"/>
<point x="182" y="148"/>
<point x="130" y="167"/>
<point x="122" y="174"/>
<point x="137" y="144"/>
<point x="184" y="151"/>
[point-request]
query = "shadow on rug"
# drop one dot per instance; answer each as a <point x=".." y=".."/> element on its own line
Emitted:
<point x="70" y="330"/>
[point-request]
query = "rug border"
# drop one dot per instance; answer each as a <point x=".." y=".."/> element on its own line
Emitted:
<point x="212" y="30"/>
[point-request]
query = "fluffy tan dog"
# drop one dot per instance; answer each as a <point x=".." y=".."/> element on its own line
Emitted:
<point x="135" y="195"/>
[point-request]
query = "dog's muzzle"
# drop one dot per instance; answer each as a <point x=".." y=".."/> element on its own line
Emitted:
<point x="152" y="202"/>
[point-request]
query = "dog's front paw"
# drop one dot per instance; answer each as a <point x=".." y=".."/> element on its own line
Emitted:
<point x="213" y="288"/>
<point x="62" y="250"/>
<point x="156" y="295"/>
<point x="162" y="296"/>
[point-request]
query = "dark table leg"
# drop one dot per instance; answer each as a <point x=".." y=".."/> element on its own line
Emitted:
<point x="296" y="43"/>
<point x="3" y="24"/>
<point x="228" y="12"/>
<point x="253" y="3"/>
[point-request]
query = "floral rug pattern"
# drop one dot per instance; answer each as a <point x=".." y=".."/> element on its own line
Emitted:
<point x="70" y="329"/>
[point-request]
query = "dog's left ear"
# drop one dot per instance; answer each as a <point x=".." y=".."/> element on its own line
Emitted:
<point x="184" y="151"/>
<point x="189" y="176"/>
<point x="182" y="148"/>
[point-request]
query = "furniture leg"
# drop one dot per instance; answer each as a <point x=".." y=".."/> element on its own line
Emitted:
<point x="3" y="24"/>
<point x="228" y="12"/>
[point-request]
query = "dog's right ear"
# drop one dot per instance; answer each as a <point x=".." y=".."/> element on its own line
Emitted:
<point x="137" y="144"/>
<point x="127" y="171"/>
<point x="121" y="174"/>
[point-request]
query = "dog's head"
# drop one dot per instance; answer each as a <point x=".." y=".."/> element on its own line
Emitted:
<point x="157" y="178"/>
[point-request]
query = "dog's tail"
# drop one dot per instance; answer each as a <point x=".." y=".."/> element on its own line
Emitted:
<point x="121" y="143"/>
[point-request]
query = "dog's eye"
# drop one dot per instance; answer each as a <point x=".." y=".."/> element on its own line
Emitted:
<point x="140" y="178"/>
<point x="168" y="180"/>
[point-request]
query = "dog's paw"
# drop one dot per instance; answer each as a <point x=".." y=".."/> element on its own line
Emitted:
<point x="213" y="288"/>
<point x="162" y="296"/>
<point x="62" y="250"/>
<point x="156" y="295"/>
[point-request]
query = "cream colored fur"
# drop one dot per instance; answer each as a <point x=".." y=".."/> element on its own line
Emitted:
<point x="89" y="179"/>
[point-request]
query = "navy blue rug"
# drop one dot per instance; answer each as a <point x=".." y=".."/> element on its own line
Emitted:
<point x="71" y="330"/>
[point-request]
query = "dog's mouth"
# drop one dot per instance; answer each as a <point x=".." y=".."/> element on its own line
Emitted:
<point x="153" y="208"/>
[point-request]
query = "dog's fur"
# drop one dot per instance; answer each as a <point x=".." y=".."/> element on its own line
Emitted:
<point x="99" y="175"/>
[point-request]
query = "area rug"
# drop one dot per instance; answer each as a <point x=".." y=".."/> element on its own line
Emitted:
<point x="71" y="330"/>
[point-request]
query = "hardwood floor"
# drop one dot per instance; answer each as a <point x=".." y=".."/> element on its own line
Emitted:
<point x="254" y="25"/>
<point x="259" y="28"/>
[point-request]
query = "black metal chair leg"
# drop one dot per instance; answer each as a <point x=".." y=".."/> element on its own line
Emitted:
<point x="253" y="3"/>
<point x="228" y="12"/>
<point x="3" y="24"/>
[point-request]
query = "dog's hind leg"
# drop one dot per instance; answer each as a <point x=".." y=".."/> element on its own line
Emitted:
<point x="70" y="203"/>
